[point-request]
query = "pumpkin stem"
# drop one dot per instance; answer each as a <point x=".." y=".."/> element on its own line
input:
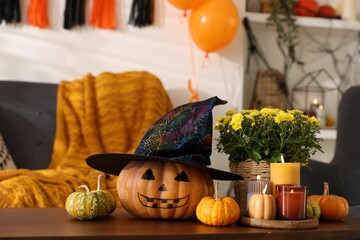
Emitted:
<point x="216" y="191"/>
<point x="99" y="182"/>
<point x="326" y="189"/>
<point x="86" y="188"/>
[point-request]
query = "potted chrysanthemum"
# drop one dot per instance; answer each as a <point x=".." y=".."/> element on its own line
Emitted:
<point x="254" y="139"/>
<point x="268" y="134"/>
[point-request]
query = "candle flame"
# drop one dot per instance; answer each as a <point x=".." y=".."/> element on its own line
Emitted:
<point x="291" y="191"/>
<point x="258" y="177"/>
<point x="282" y="159"/>
<point x="264" y="190"/>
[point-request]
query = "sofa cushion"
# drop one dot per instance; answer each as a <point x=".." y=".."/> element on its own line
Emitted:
<point x="6" y="161"/>
<point x="27" y="121"/>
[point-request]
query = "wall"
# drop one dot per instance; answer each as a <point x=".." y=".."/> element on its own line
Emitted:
<point x="51" y="55"/>
<point x="312" y="50"/>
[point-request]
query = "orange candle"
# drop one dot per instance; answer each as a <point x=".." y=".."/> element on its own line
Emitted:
<point x="291" y="201"/>
<point x="284" y="173"/>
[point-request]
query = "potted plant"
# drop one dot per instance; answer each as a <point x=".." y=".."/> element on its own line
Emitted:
<point x="267" y="134"/>
<point x="253" y="139"/>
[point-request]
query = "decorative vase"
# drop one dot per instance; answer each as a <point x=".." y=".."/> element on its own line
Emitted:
<point x="249" y="170"/>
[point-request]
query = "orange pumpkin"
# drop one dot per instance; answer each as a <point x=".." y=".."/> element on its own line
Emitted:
<point x="308" y="8"/>
<point x="218" y="212"/>
<point x="162" y="190"/>
<point x="333" y="207"/>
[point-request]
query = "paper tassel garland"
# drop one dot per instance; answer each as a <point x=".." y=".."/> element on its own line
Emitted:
<point x="103" y="14"/>
<point x="142" y="13"/>
<point x="10" y="11"/>
<point x="74" y="14"/>
<point x="37" y="13"/>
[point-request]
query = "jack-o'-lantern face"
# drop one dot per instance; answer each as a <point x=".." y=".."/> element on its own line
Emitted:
<point x="166" y="190"/>
<point x="166" y="203"/>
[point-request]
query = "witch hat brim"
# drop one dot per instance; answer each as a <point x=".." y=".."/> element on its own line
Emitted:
<point x="113" y="163"/>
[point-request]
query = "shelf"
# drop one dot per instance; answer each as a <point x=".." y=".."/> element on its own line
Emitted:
<point x="310" y="22"/>
<point x="328" y="133"/>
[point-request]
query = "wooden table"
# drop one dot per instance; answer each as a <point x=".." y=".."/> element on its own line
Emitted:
<point x="55" y="223"/>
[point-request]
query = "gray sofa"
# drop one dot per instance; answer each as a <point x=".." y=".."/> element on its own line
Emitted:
<point x="27" y="121"/>
<point x="343" y="172"/>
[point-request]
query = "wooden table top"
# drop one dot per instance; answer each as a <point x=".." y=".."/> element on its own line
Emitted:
<point x="55" y="223"/>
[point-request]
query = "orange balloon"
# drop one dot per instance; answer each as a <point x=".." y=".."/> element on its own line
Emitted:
<point x="214" y="24"/>
<point x="186" y="4"/>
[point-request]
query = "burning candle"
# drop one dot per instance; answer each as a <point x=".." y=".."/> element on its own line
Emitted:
<point x="284" y="173"/>
<point x="313" y="107"/>
<point x="291" y="201"/>
<point x="256" y="187"/>
<point x="321" y="115"/>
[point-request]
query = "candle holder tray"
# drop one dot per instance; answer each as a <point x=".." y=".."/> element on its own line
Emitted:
<point x="280" y="224"/>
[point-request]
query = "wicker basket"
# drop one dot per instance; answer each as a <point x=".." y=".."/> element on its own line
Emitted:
<point x="270" y="90"/>
<point x="249" y="170"/>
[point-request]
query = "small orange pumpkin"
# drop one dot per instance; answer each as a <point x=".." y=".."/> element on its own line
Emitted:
<point x="162" y="190"/>
<point x="218" y="212"/>
<point x="333" y="207"/>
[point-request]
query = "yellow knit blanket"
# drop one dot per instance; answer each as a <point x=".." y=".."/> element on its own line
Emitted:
<point x="107" y="113"/>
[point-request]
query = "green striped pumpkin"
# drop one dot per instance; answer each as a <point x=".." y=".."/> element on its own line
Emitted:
<point x="90" y="204"/>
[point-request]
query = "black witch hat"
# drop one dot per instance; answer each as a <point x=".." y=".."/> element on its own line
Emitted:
<point x="184" y="136"/>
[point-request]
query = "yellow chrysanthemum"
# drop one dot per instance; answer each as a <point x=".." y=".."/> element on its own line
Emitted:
<point x="220" y="119"/>
<point x="236" y="121"/>
<point x="227" y="120"/>
<point x="270" y="111"/>
<point x="314" y="120"/>
<point x="295" y="111"/>
<point x="250" y="117"/>
<point x="230" y="112"/>
<point x="246" y="111"/>
<point x="253" y="114"/>
<point x="282" y="116"/>
<point x="218" y="126"/>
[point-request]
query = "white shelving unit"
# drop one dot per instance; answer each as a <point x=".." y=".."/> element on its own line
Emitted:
<point x="328" y="133"/>
<point x="310" y="22"/>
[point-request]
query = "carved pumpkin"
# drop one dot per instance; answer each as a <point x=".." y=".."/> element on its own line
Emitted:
<point x="262" y="206"/>
<point x="88" y="205"/>
<point x="162" y="190"/>
<point x="332" y="207"/>
<point x="218" y="212"/>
